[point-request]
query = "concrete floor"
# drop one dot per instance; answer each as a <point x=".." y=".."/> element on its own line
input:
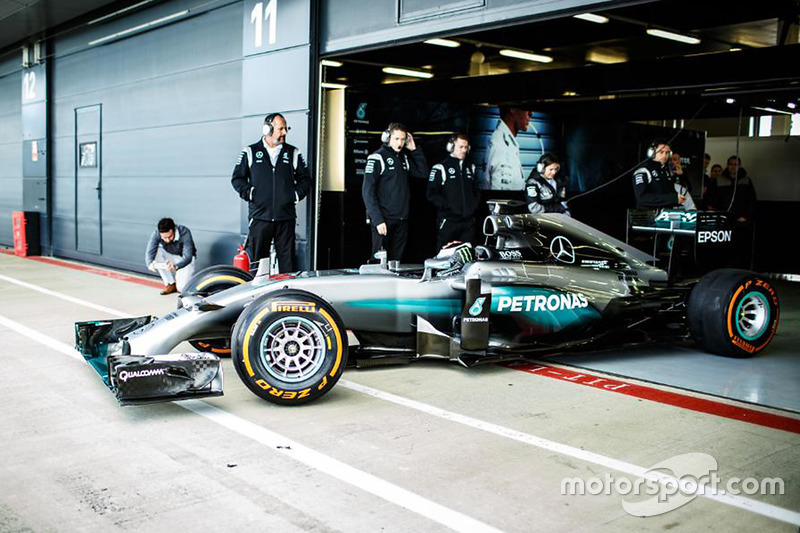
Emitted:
<point x="423" y="447"/>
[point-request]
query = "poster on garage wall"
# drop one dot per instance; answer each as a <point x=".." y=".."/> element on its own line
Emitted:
<point x="597" y="158"/>
<point x="431" y="124"/>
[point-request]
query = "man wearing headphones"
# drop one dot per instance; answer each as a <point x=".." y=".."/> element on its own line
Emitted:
<point x="544" y="192"/>
<point x="271" y="175"/>
<point x="453" y="189"/>
<point x="386" y="191"/>
<point x="653" y="183"/>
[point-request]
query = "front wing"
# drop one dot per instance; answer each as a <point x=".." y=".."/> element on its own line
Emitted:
<point x="137" y="379"/>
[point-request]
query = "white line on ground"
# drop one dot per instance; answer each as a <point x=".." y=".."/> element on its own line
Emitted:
<point x="41" y="339"/>
<point x="63" y="296"/>
<point x="374" y="485"/>
<point x="367" y="482"/>
<point x="764" y="509"/>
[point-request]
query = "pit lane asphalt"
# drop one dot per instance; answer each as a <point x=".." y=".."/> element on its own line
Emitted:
<point x="73" y="459"/>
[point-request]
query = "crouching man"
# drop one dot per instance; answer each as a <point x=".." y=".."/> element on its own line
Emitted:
<point x="171" y="253"/>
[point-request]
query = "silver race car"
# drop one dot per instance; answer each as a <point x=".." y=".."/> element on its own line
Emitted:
<point x="540" y="284"/>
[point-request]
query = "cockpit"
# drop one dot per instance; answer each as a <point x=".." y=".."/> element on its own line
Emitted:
<point x="511" y="234"/>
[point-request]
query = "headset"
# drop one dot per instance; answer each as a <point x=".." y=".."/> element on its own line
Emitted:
<point x="387" y="133"/>
<point x="451" y="142"/>
<point x="268" y="127"/>
<point x="545" y="161"/>
<point x="651" y="150"/>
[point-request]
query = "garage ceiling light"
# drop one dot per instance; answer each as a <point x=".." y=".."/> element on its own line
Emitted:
<point x="407" y="72"/>
<point x="591" y="17"/>
<point x="115" y="13"/>
<point x="606" y="56"/>
<point x="444" y="42"/>
<point x="526" y="56"/>
<point x="139" y="27"/>
<point x="331" y="63"/>
<point x="771" y="110"/>
<point x="329" y="85"/>
<point x="672" y="36"/>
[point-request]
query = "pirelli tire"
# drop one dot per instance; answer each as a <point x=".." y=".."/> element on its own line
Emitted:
<point x="289" y="347"/>
<point x="733" y="312"/>
<point x="206" y="282"/>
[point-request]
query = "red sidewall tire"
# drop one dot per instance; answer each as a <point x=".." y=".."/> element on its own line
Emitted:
<point x="735" y="313"/>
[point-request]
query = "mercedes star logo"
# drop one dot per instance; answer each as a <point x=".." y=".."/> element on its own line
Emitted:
<point x="562" y="250"/>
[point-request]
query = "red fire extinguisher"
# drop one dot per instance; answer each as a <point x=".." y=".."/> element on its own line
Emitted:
<point x="242" y="259"/>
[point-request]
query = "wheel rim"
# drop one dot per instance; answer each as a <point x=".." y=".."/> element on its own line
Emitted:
<point x="292" y="349"/>
<point x="752" y="315"/>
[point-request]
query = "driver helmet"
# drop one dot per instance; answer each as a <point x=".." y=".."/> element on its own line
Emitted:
<point x="459" y="253"/>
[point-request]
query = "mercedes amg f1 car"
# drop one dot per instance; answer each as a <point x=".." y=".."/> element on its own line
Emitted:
<point x="541" y="284"/>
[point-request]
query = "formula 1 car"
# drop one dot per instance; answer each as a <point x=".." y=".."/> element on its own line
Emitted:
<point x="541" y="284"/>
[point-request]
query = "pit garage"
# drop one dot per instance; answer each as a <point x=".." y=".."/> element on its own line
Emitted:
<point x="563" y="440"/>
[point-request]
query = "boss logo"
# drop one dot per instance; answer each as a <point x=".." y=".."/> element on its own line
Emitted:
<point x="714" y="236"/>
<point x="510" y="254"/>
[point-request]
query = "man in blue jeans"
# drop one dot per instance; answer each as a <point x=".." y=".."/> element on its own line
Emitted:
<point x="171" y="253"/>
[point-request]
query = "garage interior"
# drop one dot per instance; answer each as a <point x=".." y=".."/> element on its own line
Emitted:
<point x="736" y="80"/>
<point x="725" y="70"/>
<point x="429" y="446"/>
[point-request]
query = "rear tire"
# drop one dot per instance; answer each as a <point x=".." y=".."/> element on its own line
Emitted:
<point x="206" y="282"/>
<point x="733" y="312"/>
<point x="289" y="347"/>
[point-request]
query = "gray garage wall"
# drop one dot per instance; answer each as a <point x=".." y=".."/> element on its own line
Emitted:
<point x="10" y="143"/>
<point x="170" y="102"/>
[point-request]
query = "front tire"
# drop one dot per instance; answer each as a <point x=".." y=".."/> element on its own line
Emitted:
<point x="289" y="347"/>
<point x="206" y="282"/>
<point x="733" y="312"/>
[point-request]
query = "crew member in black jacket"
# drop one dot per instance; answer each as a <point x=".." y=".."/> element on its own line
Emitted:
<point x="545" y="191"/>
<point x="386" y="190"/>
<point x="453" y="189"/>
<point x="653" y="184"/>
<point x="271" y="175"/>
